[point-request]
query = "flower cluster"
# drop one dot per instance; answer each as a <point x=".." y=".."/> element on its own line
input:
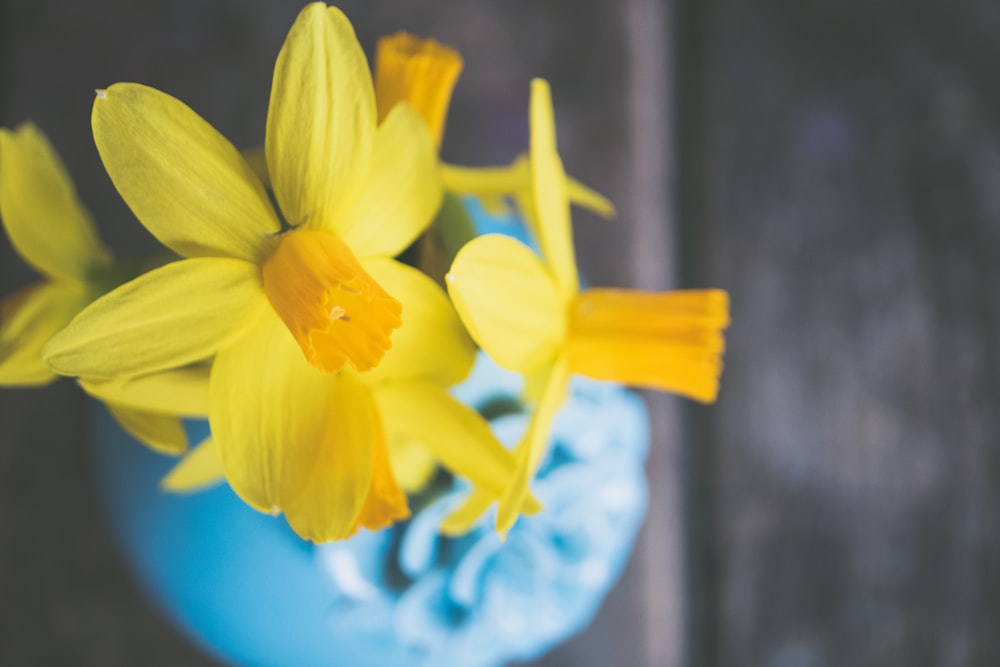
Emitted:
<point x="285" y="313"/>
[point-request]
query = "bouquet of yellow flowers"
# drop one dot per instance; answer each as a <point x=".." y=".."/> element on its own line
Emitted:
<point x="320" y="297"/>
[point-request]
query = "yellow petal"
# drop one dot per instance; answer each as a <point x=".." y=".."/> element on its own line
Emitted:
<point x="453" y="432"/>
<point x="201" y="468"/>
<point x="350" y="481"/>
<point x="493" y="183"/>
<point x="159" y="432"/>
<point x="402" y="193"/>
<point x="508" y="301"/>
<point x="321" y="118"/>
<point x="185" y="182"/>
<point x="487" y="181"/>
<point x="28" y="319"/>
<point x="170" y="317"/>
<point x="412" y="464"/>
<point x="431" y="344"/>
<point x="551" y="200"/>
<point x="270" y="413"/>
<point x="670" y="341"/>
<point x="338" y="313"/>
<point x="587" y="198"/>
<point x="386" y="503"/>
<point x="532" y="447"/>
<point x="45" y="221"/>
<point x="291" y="438"/>
<point x="422" y="72"/>
<point x="181" y="393"/>
<point x="461" y="520"/>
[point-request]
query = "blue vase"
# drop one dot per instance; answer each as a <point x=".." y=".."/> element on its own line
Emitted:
<point x="250" y="591"/>
<point x="244" y="586"/>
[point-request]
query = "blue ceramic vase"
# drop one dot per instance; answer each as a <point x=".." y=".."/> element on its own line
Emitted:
<point x="250" y="591"/>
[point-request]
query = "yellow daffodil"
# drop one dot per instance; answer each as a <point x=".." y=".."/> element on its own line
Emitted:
<point x="52" y="230"/>
<point x="299" y="310"/>
<point x="423" y="73"/>
<point x="532" y="317"/>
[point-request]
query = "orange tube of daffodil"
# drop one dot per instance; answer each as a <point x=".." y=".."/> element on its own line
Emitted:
<point x="669" y="341"/>
<point x="422" y="72"/>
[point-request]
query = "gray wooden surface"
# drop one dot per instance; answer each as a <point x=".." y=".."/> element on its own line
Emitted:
<point x="836" y="165"/>
<point x="842" y="180"/>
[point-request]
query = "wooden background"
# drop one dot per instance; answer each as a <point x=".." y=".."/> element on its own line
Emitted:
<point x="835" y="164"/>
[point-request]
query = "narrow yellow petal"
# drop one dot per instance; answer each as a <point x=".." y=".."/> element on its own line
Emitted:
<point x="508" y="301"/>
<point x="270" y="413"/>
<point x="549" y="190"/>
<point x="181" y="393"/>
<point x="201" y="468"/>
<point x="41" y="213"/>
<point x="159" y="432"/>
<point x="493" y="183"/>
<point x="532" y="446"/>
<point x="28" y="319"/>
<point x="454" y="433"/>
<point x="487" y="181"/>
<point x="321" y="118"/>
<point x="587" y="198"/>
<point x="432" y="343"/>
<point x="172" y="316"/>
<point x="338" y="313"/>
<point x="402" y="193"/>
<point x="185" y="182"/>
<point x="422" y="72"/>
<point x="671" y="341"/>
<point x="461" y="520"/>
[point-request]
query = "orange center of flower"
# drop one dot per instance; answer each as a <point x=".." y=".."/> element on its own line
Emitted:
<point x="337" y="312"/>
<point x="419" y="71"/>
<point x="671" y="341"/>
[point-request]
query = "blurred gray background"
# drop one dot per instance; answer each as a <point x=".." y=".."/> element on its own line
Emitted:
<point x="835" y="164"/>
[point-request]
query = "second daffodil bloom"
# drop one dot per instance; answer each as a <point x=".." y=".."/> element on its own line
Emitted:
<point x="294" y="307"/>
<point x="50" y="228"/>
<point x="532" y="317"/>
<point x="52" y="231"/>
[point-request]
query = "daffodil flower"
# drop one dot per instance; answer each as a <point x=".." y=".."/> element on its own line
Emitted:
<point x="53" y="232"/>
<point x="532" y="317"/>
<point x="423" y="73"/>
<point x="295" y="308"/>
